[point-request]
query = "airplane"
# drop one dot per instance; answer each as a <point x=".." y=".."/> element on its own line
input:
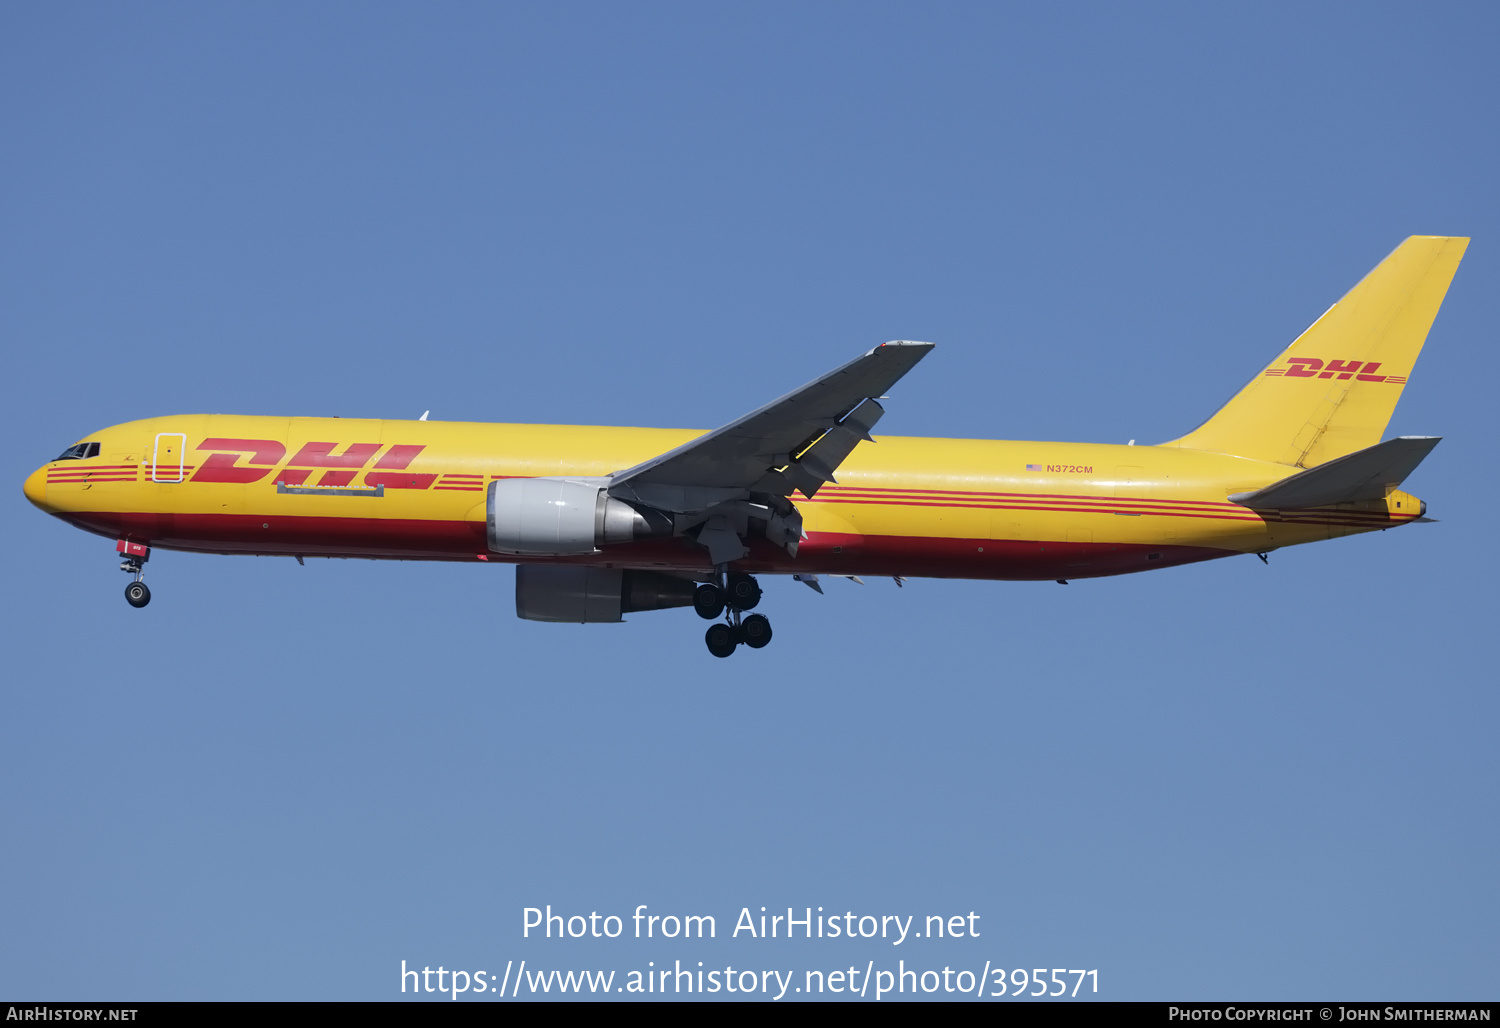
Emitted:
<point x="603" y="522"/>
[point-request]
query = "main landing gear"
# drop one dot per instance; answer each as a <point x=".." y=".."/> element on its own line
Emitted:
<point x="737" y="594"/>
<point x="136" y="555"/>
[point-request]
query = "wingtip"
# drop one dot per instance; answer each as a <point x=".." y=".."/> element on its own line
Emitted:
<point x="905" y="344"/>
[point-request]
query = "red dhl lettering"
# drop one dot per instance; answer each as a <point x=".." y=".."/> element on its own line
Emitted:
<point x="388" y="469"/>
<point x="1313" y="367"/>
<point x="224" y="467"/>
<point x="242" y="461"/>
<point x="321" y="455"/>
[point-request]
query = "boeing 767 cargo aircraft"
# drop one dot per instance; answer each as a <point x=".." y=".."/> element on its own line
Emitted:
<point x="608" y="521"/>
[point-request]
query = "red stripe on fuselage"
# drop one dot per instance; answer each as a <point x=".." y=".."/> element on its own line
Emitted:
<point x="821" y="553"/>
<point x="91" y="467"/>
<point x="79" y="476"/>
<point x="1060" y="503"/>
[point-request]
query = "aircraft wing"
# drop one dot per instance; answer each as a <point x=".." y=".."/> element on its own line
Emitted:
<point x="796" y="442"/>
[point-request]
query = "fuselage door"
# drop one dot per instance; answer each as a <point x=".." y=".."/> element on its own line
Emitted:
<point x="166" y="457"/>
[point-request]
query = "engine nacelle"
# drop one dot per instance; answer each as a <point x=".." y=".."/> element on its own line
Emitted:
<point x="556" y="517"/>
<point x="584" y="595"/>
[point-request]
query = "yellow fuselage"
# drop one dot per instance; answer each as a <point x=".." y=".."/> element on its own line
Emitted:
<point x="960" y="508"/>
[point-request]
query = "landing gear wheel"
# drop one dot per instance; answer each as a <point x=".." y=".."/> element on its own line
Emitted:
<point x="744" y="592"/>
<point x="720" y="639"/>
<point x="708" y="601"/>
<point x="137" y="595"/>
<point x="756" y="630"/>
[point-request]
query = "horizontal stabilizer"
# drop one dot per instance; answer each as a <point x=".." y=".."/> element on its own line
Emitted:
<point x="1368" y="474"/>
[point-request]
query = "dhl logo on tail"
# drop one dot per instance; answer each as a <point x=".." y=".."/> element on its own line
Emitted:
<point x="1312" y="367"/>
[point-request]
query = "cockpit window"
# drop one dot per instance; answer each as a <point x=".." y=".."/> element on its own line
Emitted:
<point x="80" y="452"/>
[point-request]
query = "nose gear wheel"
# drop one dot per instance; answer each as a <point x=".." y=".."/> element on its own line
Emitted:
<point x="136" y="555"/>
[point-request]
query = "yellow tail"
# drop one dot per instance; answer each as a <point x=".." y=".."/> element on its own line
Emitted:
<point x="1333" y="390"/>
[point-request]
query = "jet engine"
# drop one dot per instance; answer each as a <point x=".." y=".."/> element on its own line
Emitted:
<point x="555" y="517"/>
<point x="583" y="595"/>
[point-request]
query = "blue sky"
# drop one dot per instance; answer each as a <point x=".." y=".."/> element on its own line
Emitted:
<point x="1222" y="781"/>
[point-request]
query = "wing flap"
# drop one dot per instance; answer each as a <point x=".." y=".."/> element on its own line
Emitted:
<point x="808" y="432"/>
<point x="816" y="464"/>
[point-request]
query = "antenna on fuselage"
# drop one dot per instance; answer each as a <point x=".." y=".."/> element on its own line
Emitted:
<point x="424" y="415"/>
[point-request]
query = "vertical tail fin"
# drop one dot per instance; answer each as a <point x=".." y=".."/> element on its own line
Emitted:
<point x="1334" y="389"/>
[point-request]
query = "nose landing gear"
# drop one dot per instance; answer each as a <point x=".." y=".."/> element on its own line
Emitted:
<point x="136" y="555"/>
<point x="737" y="594"/>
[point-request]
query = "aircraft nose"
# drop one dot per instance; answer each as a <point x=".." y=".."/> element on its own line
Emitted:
<point x="36" y="488"/>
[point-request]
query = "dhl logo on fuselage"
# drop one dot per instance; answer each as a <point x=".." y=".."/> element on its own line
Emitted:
<point x="242" y="461"/>
<point x="1312" y="367"/>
